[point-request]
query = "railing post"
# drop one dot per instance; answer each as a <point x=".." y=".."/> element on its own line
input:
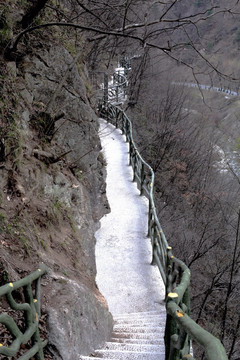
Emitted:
<point x="142" y="179"/>
<point x="171" y="326"/>
<point x="168" y="270"/>
<point x="116" y="118"/>
<point x="105" y="90"/>
<point x="149" y="216"/>
<point x="134" y="165"/>
<point x="153" y="234"/>
<point x="170" y="336"/>
<point x="128" y="139"/>
<point x="117" y="87"/>
<point x="30" y="306"/>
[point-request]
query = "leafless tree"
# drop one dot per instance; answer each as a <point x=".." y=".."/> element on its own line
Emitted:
<point x="167" y="26"/>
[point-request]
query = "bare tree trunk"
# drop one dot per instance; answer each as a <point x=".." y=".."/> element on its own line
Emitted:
<point x="33" y="12"/>
<point x="230" y="284"/>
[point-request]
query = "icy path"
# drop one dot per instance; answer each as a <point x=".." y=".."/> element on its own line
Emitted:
<point x="123" y="252"/>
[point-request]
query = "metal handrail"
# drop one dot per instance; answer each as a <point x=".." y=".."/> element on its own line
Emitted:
<point x="32" y="313"/>
<point x="175" y="274"/>
<point x="119" y="84"/>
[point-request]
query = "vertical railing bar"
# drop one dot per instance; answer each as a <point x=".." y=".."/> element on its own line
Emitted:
<point x="31" y="309"/>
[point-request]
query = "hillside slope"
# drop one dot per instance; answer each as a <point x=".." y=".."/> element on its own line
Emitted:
<point x="52" y="190"/>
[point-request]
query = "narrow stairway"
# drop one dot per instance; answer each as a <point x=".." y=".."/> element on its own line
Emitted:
<point x="132" y="287"/>
<point x="135" y="336"/>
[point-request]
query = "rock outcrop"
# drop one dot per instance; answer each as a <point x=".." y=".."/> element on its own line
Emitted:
<point x="53" y="193"/>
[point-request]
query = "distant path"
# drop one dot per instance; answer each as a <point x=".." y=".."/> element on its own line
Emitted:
<point x="123" y="252"/>
<point x="207" y="87"/>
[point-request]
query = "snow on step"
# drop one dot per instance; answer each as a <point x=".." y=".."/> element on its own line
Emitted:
<point x="123" y="251"/>
<point x="82" y="357"/>
<point x="132" y="335"/>
<point x="127" y="355"/>
<point x="153" y="323"/>
<point x="131" y="347"/>
<point x="145" y="314"/>
<point x="138" y="341"/>
<point x="133" y="288"/>
<point x="139" y="320"/>
<point x="138" y="329"/>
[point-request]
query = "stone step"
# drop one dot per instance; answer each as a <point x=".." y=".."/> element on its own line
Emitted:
<point x="150" y="320"/>
<point x="83" y="357"/>
<point x="128" y="355"/>
<point x="136" y="335"/>
<point x="138" y="341"/>
<point x="143" y="324"/>
<point x="132" y="347"/>
<point x="138" y="329"/>
<point x="140" y="314"/>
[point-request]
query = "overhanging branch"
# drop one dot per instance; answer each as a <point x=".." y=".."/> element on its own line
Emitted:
<point x="14" y="44"/>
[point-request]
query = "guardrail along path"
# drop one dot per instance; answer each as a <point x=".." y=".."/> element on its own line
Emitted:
<point x="128" y="293"/>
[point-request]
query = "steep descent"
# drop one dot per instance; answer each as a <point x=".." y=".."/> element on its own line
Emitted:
<point x="132" y="287"/>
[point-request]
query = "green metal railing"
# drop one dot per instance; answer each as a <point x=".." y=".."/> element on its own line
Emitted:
<point x="180" y="328"/>
<point x="29" y="288"/>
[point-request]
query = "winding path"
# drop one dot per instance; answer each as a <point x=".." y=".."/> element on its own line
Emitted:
<point x="132" y="287"/>
<point x="208" y="87"/>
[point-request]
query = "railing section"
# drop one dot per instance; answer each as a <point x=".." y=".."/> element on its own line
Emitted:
<point x="175" y="274"/>
<point x="109" y="91"/>
<point x="28" y="289"/>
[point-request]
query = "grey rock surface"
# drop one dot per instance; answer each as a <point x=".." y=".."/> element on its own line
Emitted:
<point x="78" y="316"/>
<point x="80" y="320"/>
<point x="77" y="130"/>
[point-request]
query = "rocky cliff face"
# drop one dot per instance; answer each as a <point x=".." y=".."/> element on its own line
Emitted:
<point x="53" y="193"/>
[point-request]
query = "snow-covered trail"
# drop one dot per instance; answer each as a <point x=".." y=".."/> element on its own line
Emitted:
<point x="123" y="251"/>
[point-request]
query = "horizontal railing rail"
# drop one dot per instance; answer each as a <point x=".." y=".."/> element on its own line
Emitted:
<point x="180" y="328"/>
<point x="29" y="289"/>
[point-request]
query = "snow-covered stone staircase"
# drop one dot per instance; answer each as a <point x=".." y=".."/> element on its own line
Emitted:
<point x="135" y="336"/>
<point x="132" y="287"/>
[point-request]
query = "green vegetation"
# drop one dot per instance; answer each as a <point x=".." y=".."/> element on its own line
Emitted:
<point x="237" y="146"/>
<point x="26" y="243"/>
<point x="79" y="174"/>
<point x="75" y="263"/>
<point x="14" y="144"/>
<point x="88" y="89"/>
<point x="72" y="223"/>
<point x="43" y="244"/>
<point x="5" y="27"/>
<point x="17" y="229"/>
<point x="65" y="273"/>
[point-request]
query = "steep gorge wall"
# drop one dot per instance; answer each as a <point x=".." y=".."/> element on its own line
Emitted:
<point x="51" y="203"/>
